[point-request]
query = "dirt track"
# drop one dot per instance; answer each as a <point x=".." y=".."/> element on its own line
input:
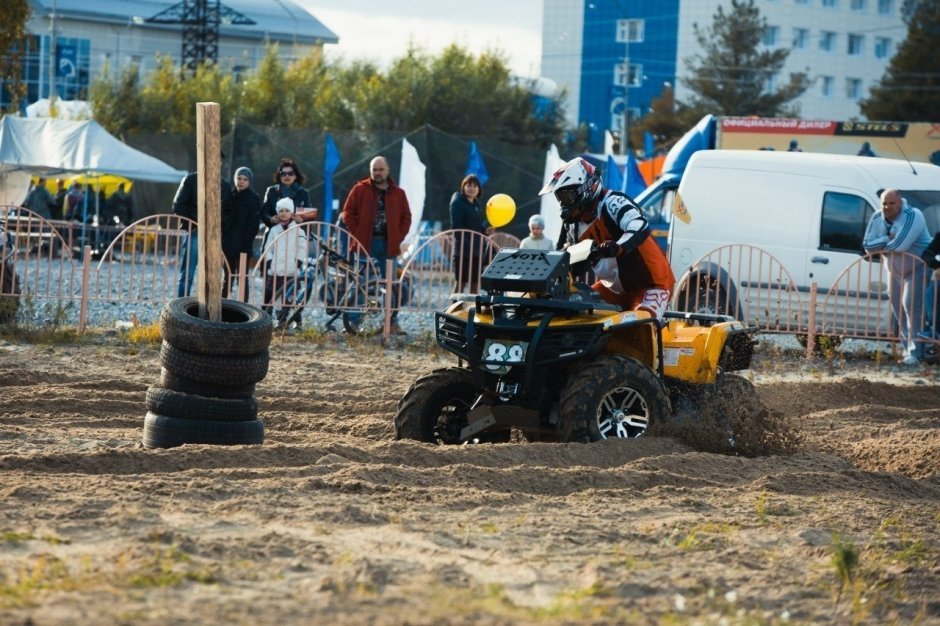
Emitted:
<point x="332" y="520"/>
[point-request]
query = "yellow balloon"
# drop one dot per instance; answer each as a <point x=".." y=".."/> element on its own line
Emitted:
<point x="500" y="209"/>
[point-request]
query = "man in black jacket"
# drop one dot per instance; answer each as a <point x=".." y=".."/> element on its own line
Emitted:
<point x="185" y="205"/>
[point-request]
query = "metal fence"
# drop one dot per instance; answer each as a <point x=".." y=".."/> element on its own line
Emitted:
<point x="329" y="273"/>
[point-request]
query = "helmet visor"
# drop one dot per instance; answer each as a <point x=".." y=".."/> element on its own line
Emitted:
<point x="567" y="196"/>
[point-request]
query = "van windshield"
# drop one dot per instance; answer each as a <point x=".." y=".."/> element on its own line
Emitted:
<point x="927" y="201"/>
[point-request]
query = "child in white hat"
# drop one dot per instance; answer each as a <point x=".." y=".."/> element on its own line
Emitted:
<point x="284" y="250"/>
<point x="537" y="239"/>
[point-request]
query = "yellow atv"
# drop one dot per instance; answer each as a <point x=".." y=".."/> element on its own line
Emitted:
<point x="545" y="355"/>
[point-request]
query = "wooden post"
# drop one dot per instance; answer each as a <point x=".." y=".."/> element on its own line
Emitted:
<point x="208" y="166"/>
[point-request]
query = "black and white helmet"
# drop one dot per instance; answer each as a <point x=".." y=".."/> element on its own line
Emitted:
<point x="575" y="184"/>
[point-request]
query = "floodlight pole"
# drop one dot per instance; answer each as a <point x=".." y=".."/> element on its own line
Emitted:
<point x="624" y="131"/>
<point x="52" y="63"/>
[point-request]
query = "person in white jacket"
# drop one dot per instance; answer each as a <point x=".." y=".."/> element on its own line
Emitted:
<point x="899" y="227"/>
<point x="285" y="249"/>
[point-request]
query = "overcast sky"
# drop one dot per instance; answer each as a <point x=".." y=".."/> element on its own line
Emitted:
<point x="379" y="30"/>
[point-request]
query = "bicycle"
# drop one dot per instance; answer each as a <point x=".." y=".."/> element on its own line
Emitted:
<point x="10" y="288"/>
<point x="351" y="289"/>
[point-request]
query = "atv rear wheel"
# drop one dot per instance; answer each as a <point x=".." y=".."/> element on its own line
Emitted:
<point x="613" y="397"/>
<point x="435" y="409"/>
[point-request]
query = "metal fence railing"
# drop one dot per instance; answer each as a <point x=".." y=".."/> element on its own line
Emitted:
<point x="91" y="270"/>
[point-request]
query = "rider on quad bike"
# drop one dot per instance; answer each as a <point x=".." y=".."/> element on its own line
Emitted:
<point x="541" y="353"/>
<point x="631" y="270"/>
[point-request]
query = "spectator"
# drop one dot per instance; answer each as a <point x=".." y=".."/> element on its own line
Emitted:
<point x="377" y="215"/>
<point x="60" y="194"/>
<point x="466" y="213"/>
<point x="929" y="351"/>
<point x="866" y="150"/>
<point x="284" y="251"/>
<point x="121" y="205"/>
<point x="632" y="271"/>
<point x="39" y="200"/>
<point x="794" y="146"/>
<point x="185" y="205"/>
<point x="898" y="227"/>
<point x="537" y="239"/>
<point x="240" y="225"/>
<point x="288" y="183"/>
<point x="75" y="202"/>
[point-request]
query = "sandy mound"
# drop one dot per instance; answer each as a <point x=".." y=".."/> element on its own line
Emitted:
<point x="333" y="520"/>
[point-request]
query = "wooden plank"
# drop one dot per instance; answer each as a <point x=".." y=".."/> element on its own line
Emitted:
<point x="209" y="266"/>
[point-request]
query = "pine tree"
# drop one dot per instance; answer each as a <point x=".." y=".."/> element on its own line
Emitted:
<point x="731" y="75"/>
<point x="910" y="88"/>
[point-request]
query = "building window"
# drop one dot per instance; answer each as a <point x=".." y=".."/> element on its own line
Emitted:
<point x="829" y="3"/>
<point x="856" y="43"/>
<point x="800" y="36"/>
<point x="771" y="83"/>
<point x="72" y="63"/>
<point x="858" y="5"/>
<point x="630" y="31"/>
<point x="853" y="88"/>
<point x="631" y="78"/>
<point x="771" y="34"/>
<point x="882" y="47"/>
<point x="827" y="41"/>
<point x="826" y="85"/>
<point x="885" y="7"/>
<point x="801" y="1"/>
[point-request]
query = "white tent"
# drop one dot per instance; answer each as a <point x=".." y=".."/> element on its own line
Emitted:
<point x="53" y="147"/>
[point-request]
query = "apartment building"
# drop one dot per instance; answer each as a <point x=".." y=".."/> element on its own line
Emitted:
<point x="614" y="56"/>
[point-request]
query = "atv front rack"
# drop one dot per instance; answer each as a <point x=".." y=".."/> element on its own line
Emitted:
<point x="501" y="302"/>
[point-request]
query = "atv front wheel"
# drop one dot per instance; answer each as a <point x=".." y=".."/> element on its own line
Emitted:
<point x="613" y="397"/>
<point x="435" y="409"/>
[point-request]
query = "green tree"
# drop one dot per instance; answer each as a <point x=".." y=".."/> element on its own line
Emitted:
<point x="454" y="91"/>
<point x="910" y="89"/>
<point x="731" y="75"/>
<point x="667" y="120"/>
<point x="14" y="41"/>
<point x="117" y="102"/>
<point x="264" y="94"/>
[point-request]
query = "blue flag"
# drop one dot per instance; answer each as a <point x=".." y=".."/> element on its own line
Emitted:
<point x="475" y="164"/>
<point x="330" y="163"/>
<point x="633" y="181"/>
<point x="648" y="147"/>
<point x="613" y="178"/>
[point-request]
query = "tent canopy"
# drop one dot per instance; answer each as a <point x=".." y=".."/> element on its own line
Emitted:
<point x="53" y="147"/>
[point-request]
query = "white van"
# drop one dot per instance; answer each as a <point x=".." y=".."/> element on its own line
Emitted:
<point x="808" y="210"/>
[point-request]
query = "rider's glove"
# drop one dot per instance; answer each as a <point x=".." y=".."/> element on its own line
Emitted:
<point x="608" y="249"/>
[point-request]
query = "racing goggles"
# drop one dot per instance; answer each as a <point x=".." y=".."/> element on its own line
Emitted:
<point x="567" y="197"/>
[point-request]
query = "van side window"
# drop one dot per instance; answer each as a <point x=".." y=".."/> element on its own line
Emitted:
<point x="657" y="209"/>
<point x="844" y="217"/>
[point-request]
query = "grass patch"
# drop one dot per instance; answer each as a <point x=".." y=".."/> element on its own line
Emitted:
<point x="160" y="568"/>
<point x="149" y="334"/>
<point x="708" y="536"/>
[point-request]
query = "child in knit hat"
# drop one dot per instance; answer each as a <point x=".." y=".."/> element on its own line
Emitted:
<point x="285" y="249"/>
<point x="537" y="239"/>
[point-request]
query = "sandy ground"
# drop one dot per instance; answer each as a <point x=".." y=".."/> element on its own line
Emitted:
<point x="331" y="520"/>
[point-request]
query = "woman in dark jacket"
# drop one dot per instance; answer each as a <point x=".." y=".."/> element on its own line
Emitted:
<point x="466" y="213"/>
<point x="288" y="183"/>
<point x="240" y="224"/>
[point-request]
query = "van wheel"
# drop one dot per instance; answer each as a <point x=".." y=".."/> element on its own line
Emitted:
<point x="704" y="294"/>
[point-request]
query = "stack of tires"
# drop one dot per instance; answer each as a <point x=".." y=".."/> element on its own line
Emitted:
<point x="208" y="374"/>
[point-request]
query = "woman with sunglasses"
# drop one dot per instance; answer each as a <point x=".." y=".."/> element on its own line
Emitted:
<point x="288" y="183"/>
